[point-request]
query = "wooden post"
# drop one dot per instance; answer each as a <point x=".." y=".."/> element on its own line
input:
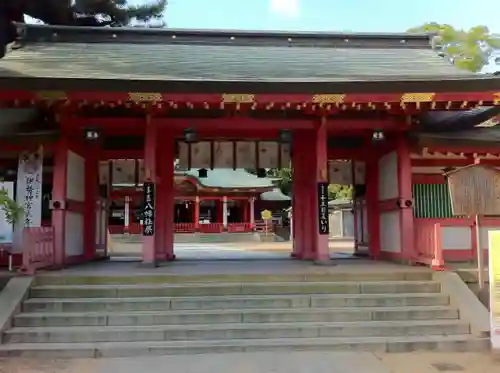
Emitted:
<point x="149" y="242"/>
<point x="480" y="257"/>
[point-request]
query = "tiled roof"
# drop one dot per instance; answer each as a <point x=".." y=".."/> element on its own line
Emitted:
<point x="274" y="195"/>
<point x="107" y="54"/>
<point x="228" y="178"/>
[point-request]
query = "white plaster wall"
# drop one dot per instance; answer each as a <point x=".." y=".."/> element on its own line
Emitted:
<point x="456" y="238"/>
<point x="390" y="232"/>
<point x="388" y="176"/>
<point x="98" y="227"/>
<point x="366" y="235"/>
<point x="348" y="226"/>
<point x="359" y="223"/>
<point x="335" y="220"/>
<point x="104" y="226"/>
<point x="74" y="233"/>
<point x="483" y="234"/>
<point x="75" y="177"/>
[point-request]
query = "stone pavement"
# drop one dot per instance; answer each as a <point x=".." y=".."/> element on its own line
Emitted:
<point x="230" y="251"/>
<point x="284" y="362"/>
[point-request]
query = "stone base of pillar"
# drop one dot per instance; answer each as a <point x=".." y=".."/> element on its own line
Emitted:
<point x="170" y="258"/>
<point x="153" y="264"/>
<point x="325" y="263"/>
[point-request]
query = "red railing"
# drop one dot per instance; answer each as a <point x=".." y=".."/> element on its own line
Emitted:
<point x="184" y="228"/>
<point x="211" y="228"/>
<point x="262" y="227"/>
<point x="428" y="248"/>
<point x="239" y="227"/>
<point x="38" y="249"/>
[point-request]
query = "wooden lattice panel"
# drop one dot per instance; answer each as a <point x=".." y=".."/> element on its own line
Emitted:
<point x="474" y="190"/>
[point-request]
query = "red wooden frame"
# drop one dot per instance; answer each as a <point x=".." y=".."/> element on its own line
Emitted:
<point x="456" y="254"/>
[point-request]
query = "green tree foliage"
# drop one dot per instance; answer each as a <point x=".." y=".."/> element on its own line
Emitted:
<point x="85" y="12"/>
<point x="468" y="49"/>
<point x="337" y="191"/>
<point x="284" y="178"/>
<point x="13" y="212"/>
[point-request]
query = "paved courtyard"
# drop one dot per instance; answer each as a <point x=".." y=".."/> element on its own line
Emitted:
<point x="285" y="362"/>
<point x="230" y="251"/>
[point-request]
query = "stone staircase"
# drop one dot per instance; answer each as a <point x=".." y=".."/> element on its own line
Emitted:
<point x="114" y="316"/>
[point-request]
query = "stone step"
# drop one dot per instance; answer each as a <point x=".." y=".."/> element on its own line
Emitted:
<point x="151" y="290"/>
<point x="417" y="275"/>
<point x="234" y="316"/>
<point x="455" y="343"/>
<point x="232" y="302"/>
<point x="234" y="331"/>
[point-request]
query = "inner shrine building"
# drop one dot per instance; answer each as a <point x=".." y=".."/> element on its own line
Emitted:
<point x="220" y="200"/>
<point x="240" y="100"/>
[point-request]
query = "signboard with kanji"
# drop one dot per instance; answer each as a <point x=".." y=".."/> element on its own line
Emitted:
<point x="323" y="219"/>
<point x="474" y="189"/>
<point x="148" y="227"/>
<point x="266" y="215"/>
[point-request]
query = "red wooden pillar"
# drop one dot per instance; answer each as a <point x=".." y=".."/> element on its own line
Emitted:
<point x="160" y="205"/>
<point x="372" y="204"/>
<point x="166" y="199"/>
<point x="196" y="213"/>
<point x="58" y="203"/>
<point x="91" y="194"/>
<point x="218" y="207"/>
<point x="319" y="169"/>
<point x="244" y="214"/>
<point x="149" y="242"/>
<point x="251" y="212"/>
<point x="298" y="157"/>
<point x="405" y="197"/>
<point x="308" y="196"/>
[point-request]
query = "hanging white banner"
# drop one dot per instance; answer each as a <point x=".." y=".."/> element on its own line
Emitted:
<point x="340" y="172"/>
<point x="359" y="172"/>
<point x="29" y="187"/>
<point x="183" y="155"/>
<point x="123" y="171"/>
<point x="224" y="154"/>
<point x="245" y="154"/>
<point x="268" y="154"/>
<point x="201" y="154"/>
<point x="285" y="155"/>
<point x="6" y="228"/>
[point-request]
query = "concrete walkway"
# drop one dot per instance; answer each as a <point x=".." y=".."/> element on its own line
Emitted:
<point x="230" y="251"/>
<point x="296" y="362"/>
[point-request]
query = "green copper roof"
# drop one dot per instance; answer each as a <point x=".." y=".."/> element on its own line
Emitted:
<point x="228" y="178"/>
<point x="274" y="195"/>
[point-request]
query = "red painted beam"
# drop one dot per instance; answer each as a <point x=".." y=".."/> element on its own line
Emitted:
<point x="25" y="145"/>
<point x="122" y="154"/>
<point x="218" y="98"/>
<point x="452" y="162"/>
<point x="428" y="179"/>
<point x="460" y="149"/>
<point x="198" y="123"/>
<point x="240" y="123"/>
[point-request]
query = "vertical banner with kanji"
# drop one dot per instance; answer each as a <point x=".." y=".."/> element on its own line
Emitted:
<point x="29" y="187"/>
<point x="148" y="219"/>
<point x="323" y="220"/>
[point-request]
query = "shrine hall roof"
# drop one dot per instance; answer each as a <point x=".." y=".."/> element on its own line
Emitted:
<point x="228" y="178"/>
<point x="274" y="195"/>
<point x="124" y="59"/>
